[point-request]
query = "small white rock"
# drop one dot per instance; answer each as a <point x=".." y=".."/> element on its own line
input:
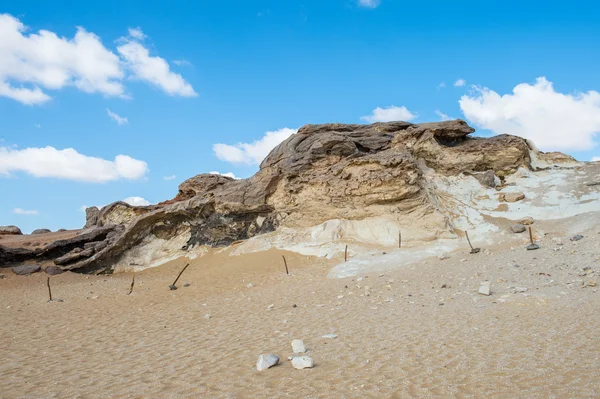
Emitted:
<point x="443" y="256"/>
<point x="302" y="362"/>
<point x="250" y="285"/>
<point x="266" y="361"/>
<point x="331" y="336"/>
<point x="298" y="346"/>
<point x="207" y="316"/>
<point x="485" y="288"/>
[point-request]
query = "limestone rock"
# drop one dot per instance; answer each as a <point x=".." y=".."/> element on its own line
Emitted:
<point x="511" y="197"/>
<point x="266" y="361"/>
<point x="526" y="221"/>
<point x="41" y="231"/>
<point x="518" y="228"/>
<point x="10" y="230"/>
<point x="302" y="362"/>
<point x="330" y="336"/>
<point x="91" y="216"/>
<point x="298" y="346"/>
<point x="25" y="270"/>
<point x="485" y="288"/>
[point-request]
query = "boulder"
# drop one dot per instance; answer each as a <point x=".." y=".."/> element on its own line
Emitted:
<point x="41" y="231"/>
<point x="25" y="270"/>
<point x="266" y="361"/>
<point x="10" y="230"/>
<point x="74" y="256"/>
<point x="302" y="362"/>
<point x="487" y="178"/>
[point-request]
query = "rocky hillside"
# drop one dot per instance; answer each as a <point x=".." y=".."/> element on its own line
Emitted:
<point x="324" y="186"/>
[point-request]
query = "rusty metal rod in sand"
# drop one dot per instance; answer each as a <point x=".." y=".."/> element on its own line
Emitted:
<point x="530" y="235"/>
<point x="399" y="239"/>
<point x="346" y="254"/>
<point x="133" y="282"/>
<point x="285" y="263"/>
<point x="469" y="241"/>
<point x="179" y="275"/>
<point x="49" y="290"/>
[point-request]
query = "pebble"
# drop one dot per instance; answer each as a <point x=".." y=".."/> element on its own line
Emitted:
<point x="443" y="256"/>
<point x="302" y="362"/>
<point x="266" y="361"/>
<point x="331" y="336"/>
<point x="518" y="228"/>
<point x="577" y="237"/>
<point x="298" y="346"/>
<point x="207" y="316"/>
<point x="485" y="288"/>
<point x="250" y="285"/>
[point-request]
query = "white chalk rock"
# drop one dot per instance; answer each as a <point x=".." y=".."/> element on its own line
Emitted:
<point x="302" y="362"/>
<point x="330" y="336"/>
<point x="266" y="361"/>
<point x="298" y="346"/>
<point x="485" y="288"/>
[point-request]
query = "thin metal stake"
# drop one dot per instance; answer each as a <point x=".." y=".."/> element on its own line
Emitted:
<point x="399" y="239"/>
<point x="173" y="286"/>
<point x="346" y="254"/>
<point x="286" y="267"/>
<point x="49" y="290"/>
<point x="132" y="283"/>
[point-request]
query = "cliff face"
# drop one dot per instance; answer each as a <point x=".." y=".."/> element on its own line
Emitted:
<point x="334" y="176"/>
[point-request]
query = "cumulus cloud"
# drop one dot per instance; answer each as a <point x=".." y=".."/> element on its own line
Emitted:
<point x="460" y="82"/>
<point x="552" y="120"/>
<point x="172" y="177"/>
<point x="389" y="114"/>
<point x="228" y="174"/>
<point x="153" y="69"/>
<point x="34" y="63"/>
<point x="137" y="201"/>
<point x="442" y="115"/>
<point x="19" y="211"/>
<point x="137" y="33"/>
<point x="369" y="3"/>
<point x="252" y="153"/>
<point x="69" y="164"/>
<point x="119" y="119"/>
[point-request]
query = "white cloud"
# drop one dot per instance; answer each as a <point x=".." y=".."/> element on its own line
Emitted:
<point x="552" y="120"/>
<point x="369" y="3"/>
<point x="33" y="63"/>
<point x="252" y="153"/>
<point x="441" y="85"/>
<point x="137" y="201"/>
<point x="19" y="211"/>
<point x="172" y="177"/>
<point x="442" y="115"/>
<point x="228" y="174"/>
<point x="460" y="82"/>
<point x="182" y="63"/>
<point x="595" y="159"/>
<point x="69" y="164"/>
<point x="389" y="114"/>
<point x="119" y="119"/>
<point x="154" y="70"/>
<point x="137" y="33"/>
<point x="52" y="62"/>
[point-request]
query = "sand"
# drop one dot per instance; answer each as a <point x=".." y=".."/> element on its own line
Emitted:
<point x="404" y="336"/>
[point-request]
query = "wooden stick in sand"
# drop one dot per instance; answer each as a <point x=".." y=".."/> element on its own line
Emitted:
<point x="285" y="263"/>
<point x="531" y="236"/>
<point x="49" y="290"/>
<point x="132" y="283"/>
<point x="173" y="286"/>
<point x="399" y="239"/>
<point x="473" y="250"/>
<point x="346" y="254"/>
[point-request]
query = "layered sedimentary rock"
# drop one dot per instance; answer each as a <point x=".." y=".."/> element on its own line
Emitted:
<point x="337" y="176"/>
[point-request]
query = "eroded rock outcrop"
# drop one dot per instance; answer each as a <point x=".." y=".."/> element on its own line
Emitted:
<point x="329" y="182"/>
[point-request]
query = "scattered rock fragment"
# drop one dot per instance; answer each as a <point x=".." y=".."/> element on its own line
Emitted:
<point x="2" y="276"/>
<point x="576" y="237"/>
<point x="53" y="270"/>
<point x="443" y="256"/>
<point x="330" y="336"/>
<point x="266" y="361"/>
<point x="298" y="346"/>
<point x="302" y="362"/>
<point x="25" y="270"/>
<point x="250" y="285"/>
<point x="485" y="288"/>
<point x="513" y="197"/>
<point x="590" y="283"/>
<point x="518" y="228"/>
<point x="557" y="241"/>
<point x="207" y="316"/>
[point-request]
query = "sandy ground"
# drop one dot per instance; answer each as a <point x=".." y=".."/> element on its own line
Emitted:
<point x="404" y="336"/>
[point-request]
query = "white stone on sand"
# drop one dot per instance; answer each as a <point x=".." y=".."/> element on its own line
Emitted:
<point x="302" y="362"/>
<point x="485" y="288"/>
<point x="266" y="361"/>
<point x="298" y="346"/>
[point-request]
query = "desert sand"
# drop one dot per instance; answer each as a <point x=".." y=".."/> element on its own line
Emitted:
<point x="417" y="330"/>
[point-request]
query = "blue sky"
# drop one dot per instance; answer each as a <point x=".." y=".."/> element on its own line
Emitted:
<point x="190" y="75"/>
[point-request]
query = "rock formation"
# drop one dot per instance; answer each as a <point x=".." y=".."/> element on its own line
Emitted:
<point x="338" y="180"/>
<point x="10" y="230"/>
